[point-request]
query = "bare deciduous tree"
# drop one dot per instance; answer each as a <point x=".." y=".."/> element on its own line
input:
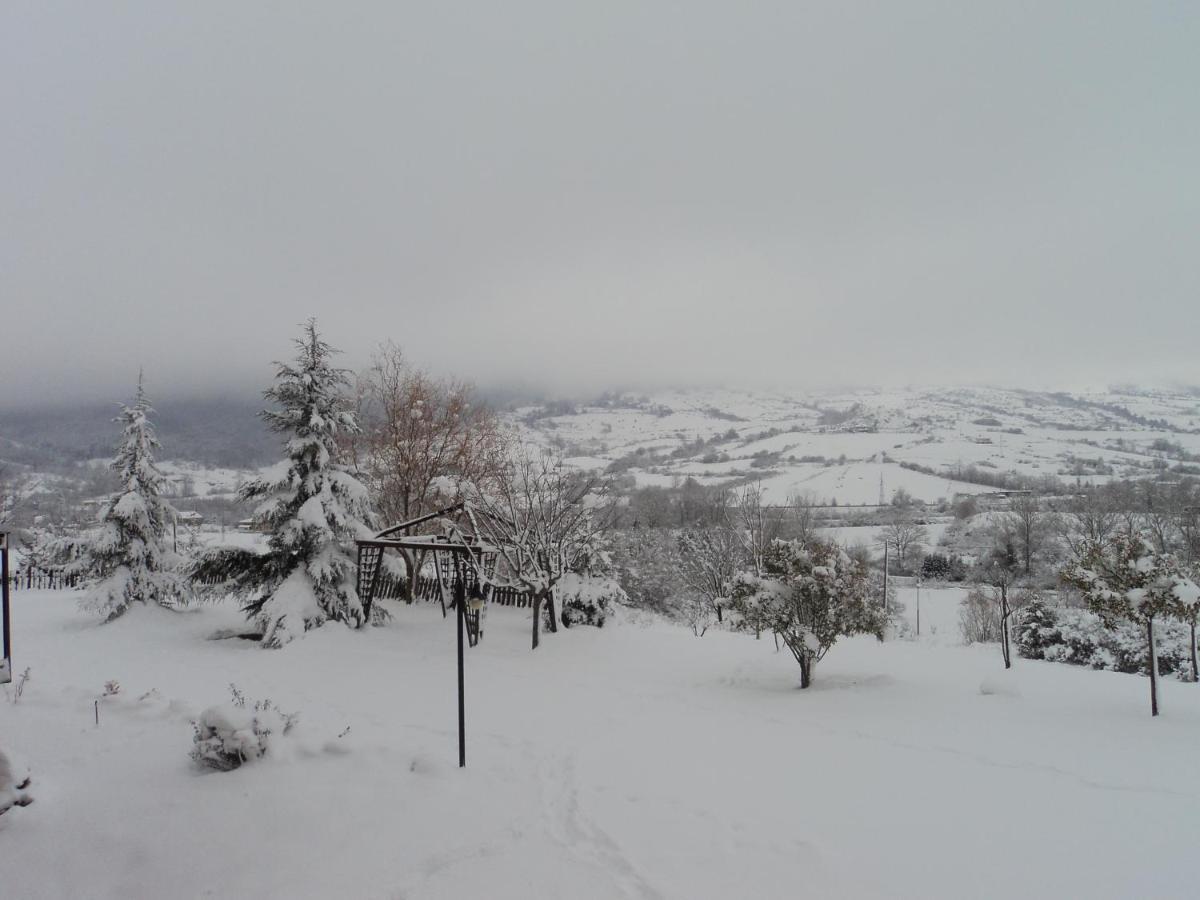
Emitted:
<point x="1089" y="520"/>
<point x="545" y="520"/>
<point x="417" y="431"/>
<point x="708" y="561"/>
<point x="755" y="524"/>
<point x="1027" y="526"/>
<point x="802" y="519"/>
<point x="1161" y="514"/>
<point x="905" y="534"/>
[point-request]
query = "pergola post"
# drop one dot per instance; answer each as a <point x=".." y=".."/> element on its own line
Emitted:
<point x="460" y="613"/>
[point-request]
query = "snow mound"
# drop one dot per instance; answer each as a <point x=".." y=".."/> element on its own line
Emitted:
<point x="426" y="764"/>
<point x="998" y="686"/>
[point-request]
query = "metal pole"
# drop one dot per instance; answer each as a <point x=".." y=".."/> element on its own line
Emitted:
<point x="460" y="612"/>
<point x="918" y="607"/>
<point x="6" y="661"/>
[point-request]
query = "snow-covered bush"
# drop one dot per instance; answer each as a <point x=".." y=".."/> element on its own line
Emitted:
<point x="647" y="565"/>
<point x="941" y="567"/>
<point x="587" y="599"/>
<point x="14" y="785"/>
<point x="809" y="595"/>
<point x="237" y="732"/>
<point x="18" y="687"/>
<point x="1080" y="637"/>
<point x="699" y="614"/>
<point x="978" y="619"/>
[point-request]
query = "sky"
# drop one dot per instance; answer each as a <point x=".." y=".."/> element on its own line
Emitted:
<point x="577" y="197"/>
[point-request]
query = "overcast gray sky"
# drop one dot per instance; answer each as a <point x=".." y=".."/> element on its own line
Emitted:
<point x="611" y="193"/>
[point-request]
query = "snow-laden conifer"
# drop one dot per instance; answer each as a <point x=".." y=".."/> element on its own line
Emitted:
<point x="130" y="559"/>
<point x="310" y="504"/>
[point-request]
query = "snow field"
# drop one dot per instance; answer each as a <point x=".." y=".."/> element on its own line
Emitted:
<point x="632" y="761"/>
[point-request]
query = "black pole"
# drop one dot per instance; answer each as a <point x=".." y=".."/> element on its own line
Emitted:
<point x="4" y="594"/>
<point x="460" y="612"/>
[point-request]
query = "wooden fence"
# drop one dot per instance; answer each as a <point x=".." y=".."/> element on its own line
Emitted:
<point x="38" y="580"/>
<point x="389" y="587"/>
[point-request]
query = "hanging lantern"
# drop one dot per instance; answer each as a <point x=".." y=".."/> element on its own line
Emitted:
<point x="475" y="600"/>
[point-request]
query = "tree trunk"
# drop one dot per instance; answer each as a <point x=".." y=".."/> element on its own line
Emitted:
<point x="551" y="617"/>
<point x="720" y="620"/>
<point x="1153" y="668"/>
<point x="1004" y="648"/>
<point x="537" y="618"/>
<point x="805" y="672"/>
<point x="410" y="584"/>
<point x="1195" y="674"/>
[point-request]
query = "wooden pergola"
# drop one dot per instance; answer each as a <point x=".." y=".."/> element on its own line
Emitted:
<point x="464" y="564"/>
<point x="460" y="558"/>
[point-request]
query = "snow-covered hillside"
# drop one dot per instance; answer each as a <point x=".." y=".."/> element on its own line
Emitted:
<point x="849" y="448"/>
<point x="632" y="761"/>
<point x="853" y="447"/>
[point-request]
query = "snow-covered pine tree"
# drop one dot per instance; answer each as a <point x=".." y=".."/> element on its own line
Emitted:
<point x="129" y="559"/>
<point x="310" y="503"/>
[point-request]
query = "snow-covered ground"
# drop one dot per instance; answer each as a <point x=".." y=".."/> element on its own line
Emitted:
<point x="632" y="761"/>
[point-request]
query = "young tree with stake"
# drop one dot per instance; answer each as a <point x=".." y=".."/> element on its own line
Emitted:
<point x="1125" y="579"/>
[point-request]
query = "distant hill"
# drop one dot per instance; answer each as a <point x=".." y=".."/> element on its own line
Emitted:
<point x="215" y="431"/>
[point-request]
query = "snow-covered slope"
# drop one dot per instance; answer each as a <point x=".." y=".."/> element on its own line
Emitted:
<point x="840" y="447"/>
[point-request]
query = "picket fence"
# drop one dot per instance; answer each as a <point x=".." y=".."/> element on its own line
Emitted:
<point x="389" y="587"/>
<point x="38" y="580"/>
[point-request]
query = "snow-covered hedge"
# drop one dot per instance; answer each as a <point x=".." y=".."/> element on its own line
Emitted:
<point x="1080" y="637"/>
<point x="227" y="735"/>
